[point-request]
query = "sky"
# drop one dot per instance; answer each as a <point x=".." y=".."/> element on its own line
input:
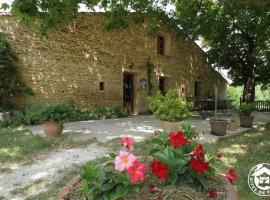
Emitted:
<point x="84" y="9"/>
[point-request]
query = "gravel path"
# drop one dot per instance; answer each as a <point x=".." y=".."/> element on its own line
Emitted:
<point x="47" y="169"/>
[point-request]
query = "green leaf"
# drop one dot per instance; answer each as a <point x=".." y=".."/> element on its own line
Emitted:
<point x="156" y="141"/>
<point x="89" y="171"/>
<point x="161" y="157"/>
<point x="211" y="171"/>
<point x="133" y="189"/>
<point x="170" y="156"/>
<point x="172" y="176"/>
<point x="123" y="179"/>
<point x="203" y="180"/>
<point x="153" y="151"/>
<point x="121" y="191"/>
<point x="101" y="176"/>
<point x="112" y="155"/>
<point x="106" y="187"/>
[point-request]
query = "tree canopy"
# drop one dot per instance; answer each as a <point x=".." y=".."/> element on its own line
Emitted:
<point x="236" y="33"/>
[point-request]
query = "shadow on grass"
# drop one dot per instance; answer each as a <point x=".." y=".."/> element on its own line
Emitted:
<point x="18" y="145"/>
<point x="242" y="152"/>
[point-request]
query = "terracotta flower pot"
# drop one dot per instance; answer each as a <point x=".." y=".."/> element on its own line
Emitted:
<point x="52" y="128"/>
<point x="246" y="121"/>
<point x="218" y="126"/>
<point x="172" y="126"/>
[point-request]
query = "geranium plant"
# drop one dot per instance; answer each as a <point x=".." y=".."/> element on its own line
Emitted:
<point x="112" y="185"/>
<point x="176" y="159"/>
<point x="180" y="159"/>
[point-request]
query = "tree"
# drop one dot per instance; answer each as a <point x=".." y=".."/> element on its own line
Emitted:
<point x="236" y="34"/>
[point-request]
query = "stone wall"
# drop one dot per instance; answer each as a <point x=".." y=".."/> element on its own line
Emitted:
<point x="71" y="62"/>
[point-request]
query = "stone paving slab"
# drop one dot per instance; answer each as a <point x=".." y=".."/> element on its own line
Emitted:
<point x="139" y="127"/>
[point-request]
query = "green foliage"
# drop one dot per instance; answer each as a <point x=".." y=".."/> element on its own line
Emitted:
<point x="56" y="112"/>
<point x="63" y="112"/>
<point x="100" y="113"/>
<point x="234" y="94"/>
<point x="246" y="109"/>
<point x="100" y="185"/>
<point x="236" y="35"/>
<point x="169" y="107"/>
<point x="178" y="159"/>
<point x="10" y="82"/>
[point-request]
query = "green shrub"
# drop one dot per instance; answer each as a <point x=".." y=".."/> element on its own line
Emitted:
<point x="33" y="115"/>
<point x="245" y="109"/>
<point x="17" y="119"/>
<point x="56" y="112"/>
<point x="100" y="113"/>
<point x="63" y="112"/>
<point x="169" y="107"/>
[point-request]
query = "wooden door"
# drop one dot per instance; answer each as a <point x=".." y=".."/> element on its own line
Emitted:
<point x="128" y="92"/>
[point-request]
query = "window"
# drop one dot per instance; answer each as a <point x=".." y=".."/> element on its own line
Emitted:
<point x="160" y="45"/>
<point x="101" y="86"/>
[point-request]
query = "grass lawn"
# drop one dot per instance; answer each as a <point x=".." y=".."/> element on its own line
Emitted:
<point x="19" y="146"/>
<point x="242" y="152"/>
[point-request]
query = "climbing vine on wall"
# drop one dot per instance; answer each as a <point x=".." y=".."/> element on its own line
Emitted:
<point x="150" y="68"/>
<point x="10" y="83"/>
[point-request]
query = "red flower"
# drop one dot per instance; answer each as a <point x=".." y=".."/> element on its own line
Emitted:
<point x="178" y="139"/>
<point x="231" y="176"/>
<point x="219" y="155"/>
<point x="136" y="172"/>
<point x="160" y="170"/>
<point x="199" y="152"/>
<point x="211" y="194"/>
<point x="198" y="165"/>
<point x="127" y="142"/>
<point x="153" y="189"/>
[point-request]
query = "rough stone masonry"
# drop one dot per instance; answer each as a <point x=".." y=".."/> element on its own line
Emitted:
<point x="72" y="61"/>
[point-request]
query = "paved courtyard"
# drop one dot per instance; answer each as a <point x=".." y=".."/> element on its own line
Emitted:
<point x="139" y="127"/>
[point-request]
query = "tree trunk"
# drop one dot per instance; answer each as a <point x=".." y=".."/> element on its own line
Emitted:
<point x="249" y="85"/>
<point x="249" y="90"/>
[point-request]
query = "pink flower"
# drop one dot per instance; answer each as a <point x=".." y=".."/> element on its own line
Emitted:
<point x="127" y="142"/>
<point x="124" y="161"/>
<point x="136" y="172"/>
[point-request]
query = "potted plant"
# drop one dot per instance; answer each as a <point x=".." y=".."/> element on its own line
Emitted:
<point x="53" y="116"/>
<point x="218" y="126"/>
<point x="171" y="109"/>
<point x="246" y="120"/>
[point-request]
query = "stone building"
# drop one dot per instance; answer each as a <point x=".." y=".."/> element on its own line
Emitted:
<point x="97" y="68"/>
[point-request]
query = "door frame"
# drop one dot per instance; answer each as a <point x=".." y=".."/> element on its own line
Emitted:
<point x="133" y="96"/>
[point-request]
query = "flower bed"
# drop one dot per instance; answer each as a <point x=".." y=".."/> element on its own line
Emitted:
<point x="176" y="164"/>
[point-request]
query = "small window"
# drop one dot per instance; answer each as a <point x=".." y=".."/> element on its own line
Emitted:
<point x="160" y="45"/>
<point x="101" y="86"/>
